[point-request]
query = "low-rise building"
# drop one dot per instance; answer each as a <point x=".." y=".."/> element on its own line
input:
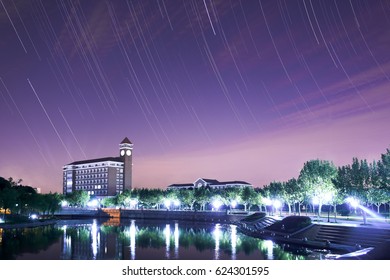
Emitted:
<point x="210" y="183"/>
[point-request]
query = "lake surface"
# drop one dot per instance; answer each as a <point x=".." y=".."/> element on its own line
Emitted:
<point x="141" y="240"/>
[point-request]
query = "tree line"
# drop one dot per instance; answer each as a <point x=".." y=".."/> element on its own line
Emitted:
<point x="319" y="183"/>
<point x="24" y="200"/>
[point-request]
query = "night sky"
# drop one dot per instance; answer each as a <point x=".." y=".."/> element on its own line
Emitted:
<point x="232" y="90"/>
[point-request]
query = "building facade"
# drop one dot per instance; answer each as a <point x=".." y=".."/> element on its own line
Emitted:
<point x="101" y="177"/>
<point x="210" y="183"/>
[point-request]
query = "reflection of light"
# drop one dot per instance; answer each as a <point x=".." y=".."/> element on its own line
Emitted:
<point x="94" y="231"/>
<point x="1" y="220"/>
<point x="167" y="232"/>
<point x="217" y="236"/>
<point x="233" y="238"/>
<point x="270" y="249"/>
<point x="67" y="243"/>
<point x="176" y="234"/>
<point x="132" y="239"/>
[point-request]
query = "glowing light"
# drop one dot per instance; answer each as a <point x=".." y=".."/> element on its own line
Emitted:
<point x="176" y="234"/>
<point x="267" y="201"/>
<point x="233" y="240"/>
<point x="1" y="221"/>
<point x="132" y="239"/>
<point x="94" y="233"/>
<point x="217" y="236"/>
<point x="353" y="202"/>
<point x="277" y="204"/>
<point x="176" y="202"/>
<point x="328" y="197"/>
<point x="133" y="202"/>
<point x="217" y="203"/>
<point x="167" y="203"/>
<point x="270" y="249"/>
<point x="34" y="216"/>
<point x="167" y="232"/>
<point x="316" y="200"/>
<point x="233" y="203"/>
<point x="64" y="203"/>
<point x="93" y="203"/>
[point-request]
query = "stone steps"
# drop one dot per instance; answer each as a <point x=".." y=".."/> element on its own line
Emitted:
<point x="365" y="237"/>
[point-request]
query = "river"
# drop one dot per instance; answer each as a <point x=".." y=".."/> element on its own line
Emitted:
<point x="141" y="240"/>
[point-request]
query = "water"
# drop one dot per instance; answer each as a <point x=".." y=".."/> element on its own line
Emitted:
<point x="141" y="240"/>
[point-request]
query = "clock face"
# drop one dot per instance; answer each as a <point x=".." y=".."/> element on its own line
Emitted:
<point x="122" y="152"/>
<point x="128" y="152"/>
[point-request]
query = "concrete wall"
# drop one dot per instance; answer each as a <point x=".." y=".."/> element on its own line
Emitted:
<point x="201" y="216"/>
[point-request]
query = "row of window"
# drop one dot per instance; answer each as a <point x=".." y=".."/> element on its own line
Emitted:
<point x="91" y="187"/>
<point x="97" y="192"/>
<point x="84" y="182"/>
<point x="95" y="170"/>
<point x="102" y="175"/>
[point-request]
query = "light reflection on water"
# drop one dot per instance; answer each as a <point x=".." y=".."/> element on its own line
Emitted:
<point x="134" y="239"/>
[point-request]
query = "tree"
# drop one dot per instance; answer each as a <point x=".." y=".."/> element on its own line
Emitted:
<point x="187" y="197"/>
<point x="384" y="169"/>
<point x="202" y="196"/>
<point x="78" y="198"/>
<point x="317" y="178"/>
<point x="9" y="199"/>
<point x="248" y="197"/>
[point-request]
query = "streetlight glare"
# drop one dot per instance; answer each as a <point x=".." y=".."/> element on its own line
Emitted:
<point x="93" y="203"/>
<point x="277" y="204"/>
<point x="353" y="202"/>
<point x="217" y="204"/>
<point x="167" y="203"/>
<point x="267" y="201"/>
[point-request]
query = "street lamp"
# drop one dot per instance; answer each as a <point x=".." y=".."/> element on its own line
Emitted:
<point x="327" y="199"/>
<point x="267" y="202"/>
<point x="167" y="203"/>
<point x="216" y="204"/>
<point x="277" y="204"/>
<point x="356" y="203"/>
<point x="133" y="203"/>
<point x="176" y="203"/>
<point x="316" y="201"/>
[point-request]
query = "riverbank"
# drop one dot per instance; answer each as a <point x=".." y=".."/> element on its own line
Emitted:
<point x="32" y="224"/>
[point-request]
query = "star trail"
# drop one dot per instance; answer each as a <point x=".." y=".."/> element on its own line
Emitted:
<point x="233" y="90"/>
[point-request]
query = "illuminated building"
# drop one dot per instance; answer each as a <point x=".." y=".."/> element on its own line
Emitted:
<point x="102" y="176"/>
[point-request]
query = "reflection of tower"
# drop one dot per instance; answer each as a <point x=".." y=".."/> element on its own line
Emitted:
<point x="126" y="154"/>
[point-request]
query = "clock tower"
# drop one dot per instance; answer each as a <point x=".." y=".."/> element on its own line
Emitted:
<point x="126" y="154"/>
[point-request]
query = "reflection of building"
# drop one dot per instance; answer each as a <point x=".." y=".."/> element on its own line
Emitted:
<point x="103" y="176"/>
<point x="211" y="183"/>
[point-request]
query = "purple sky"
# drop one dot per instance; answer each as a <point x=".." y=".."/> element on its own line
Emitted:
<point x="231" y="90"/>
